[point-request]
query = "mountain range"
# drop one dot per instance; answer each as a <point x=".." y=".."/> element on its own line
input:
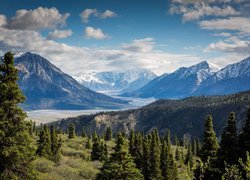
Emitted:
<point x="199" y="79"/>
<point x="47" y="87"/>
<point x="127" y="81"/>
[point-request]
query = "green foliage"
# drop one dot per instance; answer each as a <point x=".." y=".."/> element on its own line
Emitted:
<point x="210" y="142"/>
<point x="71" y="130"/>
<point x="44" y="143"/>
<point x="96" y="153"/>
<point x="120" y="165"/>
<point x="16" y="151"/>
<point x="189" y="157"/>
<point x="55" y="145"/>
<point x="244" y="137"/>
<point x="155" y="171"/>
<point x="88" y="143"/>
<point x="228" y="152"/>
<point x="108" y="134"/>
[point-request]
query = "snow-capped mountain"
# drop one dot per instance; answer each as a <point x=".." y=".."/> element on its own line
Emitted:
<point x="178" y="84"/>
<point x="46" y="86"/>
<point x="231" y="79"/>
<point x="120" y="81"/>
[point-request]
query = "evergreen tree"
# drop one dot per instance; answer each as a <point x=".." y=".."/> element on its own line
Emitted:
<point x="146" y="158"/>
<point x="16" y="151"/>
<point x="172" y="171"/>
<point x="34" y="127"/>
<point x="138" y="150"/>
<point x="177" y="154"/>
<point x="244" y="137"/>
<point x="71" y="131"/>
<point x="44" y="143"/>
<point x="55" y="145"/>
<point x="108" y="134"/>
<point x="155" y="171"/>
<point x="176" y="141"/>
<point x="96" y="152"/>
<point x="164" y="159"/>
<point x="168" y="139"/>
<point x="104" y="152"/>
<point x="132" y="142"/>
<point x="210" y="143"/>
<point x="229" y="143"/>
<point x="120" y="166"/>
<point x="189" y="157"/>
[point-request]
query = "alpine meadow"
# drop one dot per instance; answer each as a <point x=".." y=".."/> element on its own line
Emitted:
<point x="125" y="90"/>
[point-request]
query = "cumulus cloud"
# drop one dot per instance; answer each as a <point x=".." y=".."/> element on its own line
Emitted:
<point x="92" y="33"/>
<point x="40" y="18"/>
<point x="107" y="14"/>
<point x="231" y="45"/>
<point x="233" y="23"/>
<point x="59" y="34"/>
<point x="87" y="13"/>
<point x="140" y="45"/>
<point x="3" y="21"/>
<point x="73" y="59"/>
<point x="201" y="10"/>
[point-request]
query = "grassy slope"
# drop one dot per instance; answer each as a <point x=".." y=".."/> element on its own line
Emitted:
<point x="75" y="162"/>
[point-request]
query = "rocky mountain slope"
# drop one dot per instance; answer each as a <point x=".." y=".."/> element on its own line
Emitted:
<point x="46" y="86"/>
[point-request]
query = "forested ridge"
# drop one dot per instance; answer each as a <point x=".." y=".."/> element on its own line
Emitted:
<point x="184" y="116"/>
<point x="30" y="151"/>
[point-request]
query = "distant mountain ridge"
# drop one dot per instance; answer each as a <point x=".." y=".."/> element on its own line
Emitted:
<point x="200" y="79"/>
<point x="119" y="81"/>
<point x="46" y="86"/>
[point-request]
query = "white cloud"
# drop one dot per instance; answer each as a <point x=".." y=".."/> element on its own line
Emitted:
<point x="3" y="21"/>
<point x="201" y="10"/>
<point x="73" y="59"/>
<point x="87" y="13"/>
<point x="107" y="14"/>
<point x="92" y="33"/>
<point x="233" y="23"/>
<point x="140" y="45"/>
<point x="222" y="34"/>
<point x="59" y="34"/>
<point x="231" y="45"/>
<point x="40" y="18"/>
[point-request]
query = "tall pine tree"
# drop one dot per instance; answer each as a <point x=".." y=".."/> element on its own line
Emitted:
<point x="229" y="142"/>
<point x="120" y="166"/>
<point x="210" y="142"/>
<point x="244" y="137"/>
<point x="71" y="130"/>
<point x="16" y="151"/>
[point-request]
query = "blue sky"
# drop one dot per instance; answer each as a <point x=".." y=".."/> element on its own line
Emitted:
<point x="94" y="35"/>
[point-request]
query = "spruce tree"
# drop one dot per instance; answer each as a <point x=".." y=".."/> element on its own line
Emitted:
<point x="16" y="151"/>
<point x="120" y="166"/>
<point x="56" y="144"/>
<point x="229" y="142"/>
<point x="177" y="154"/>
<point x="146" y="158"/>
<point x="108" y="134"/>
<point x="96" y="152"/>
<point x="210" y="142"/>
<point x="244" y="137"/>
<point x="155" y="171"/>
<point x="164" y="159"/>
<point x="172" y="171"/>
<point x="131" y="142"/>
<point x="138" y="150"/>
<point x="71" y="130"/>
<point x="189" y="157"/>
<point x="44" y="143"/>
